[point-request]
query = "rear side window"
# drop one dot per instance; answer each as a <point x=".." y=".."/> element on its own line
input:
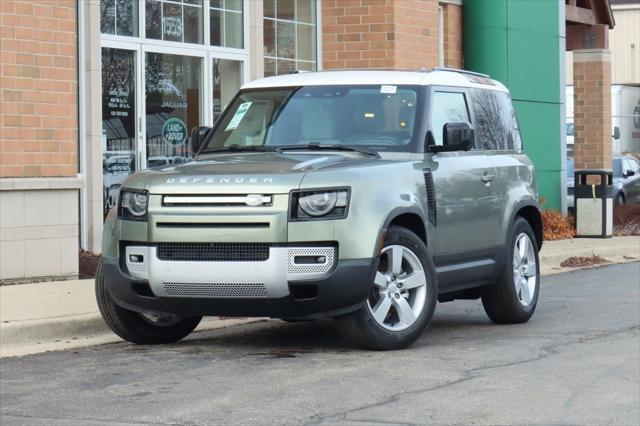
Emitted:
<point x="495" y="121"/>
<point x="447" y="107"/>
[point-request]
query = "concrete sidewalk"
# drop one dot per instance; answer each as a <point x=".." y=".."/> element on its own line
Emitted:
<point x="63" y="314"/>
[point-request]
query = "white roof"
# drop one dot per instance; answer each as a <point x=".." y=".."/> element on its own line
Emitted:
<point x="370" y="77"/>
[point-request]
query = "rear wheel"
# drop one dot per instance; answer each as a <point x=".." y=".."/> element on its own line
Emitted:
<point x="403" y="297"/>
<point x="514" y="299"/>
<point x="141" y="328"/>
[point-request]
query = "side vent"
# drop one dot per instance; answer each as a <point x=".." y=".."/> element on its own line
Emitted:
<point x="431" y="196"/>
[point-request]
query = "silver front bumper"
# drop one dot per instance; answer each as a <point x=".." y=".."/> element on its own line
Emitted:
<point x="229" y="279"/>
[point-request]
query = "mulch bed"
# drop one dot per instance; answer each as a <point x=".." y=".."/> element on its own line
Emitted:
<point x="579" y="261"/>
<point x="88" y="263"/>
<point x="626" y="220"/>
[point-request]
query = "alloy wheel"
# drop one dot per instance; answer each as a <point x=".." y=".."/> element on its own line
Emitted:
<point x="400" y="289"/>
<point x="524" y="269"/>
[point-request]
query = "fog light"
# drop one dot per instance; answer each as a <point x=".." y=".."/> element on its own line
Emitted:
<point x="136" y="258"/>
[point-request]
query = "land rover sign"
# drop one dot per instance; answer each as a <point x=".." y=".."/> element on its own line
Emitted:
<point x="174" y="132"/>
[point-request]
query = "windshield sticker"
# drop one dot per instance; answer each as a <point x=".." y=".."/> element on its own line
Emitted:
<point x="391" y="90"/>
<point x="238" y="116"/>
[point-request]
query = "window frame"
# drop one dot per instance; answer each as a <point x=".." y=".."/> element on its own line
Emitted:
<point x="429" y="141"/>
<point x="315" y="25"/>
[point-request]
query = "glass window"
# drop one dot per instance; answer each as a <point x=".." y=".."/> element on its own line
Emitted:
<point x="617" y="167"/>
<point x="345" y="115"/>
<point x="118" y="121"/>
<point x="119" y="17"/>
<point x="227" y="79"/>
<point x="172" y="93"/>
<point x="174" y="20"/>
<point x="495" y="120"/>
<point x="226" y="23"/>
<point x="447" y="107"/>
<point x="289" y="36"/>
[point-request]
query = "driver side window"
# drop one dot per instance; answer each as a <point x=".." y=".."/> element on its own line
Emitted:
<point x="447" y="107"/>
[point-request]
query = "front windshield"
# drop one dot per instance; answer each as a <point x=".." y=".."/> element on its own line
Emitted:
<point x="378" y="117"/>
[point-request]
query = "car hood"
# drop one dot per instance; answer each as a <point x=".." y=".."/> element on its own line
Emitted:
<point x="269" y="173"/>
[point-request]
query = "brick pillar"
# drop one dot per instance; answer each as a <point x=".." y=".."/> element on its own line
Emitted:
<point x="379" y="34"/>
<point x="452" y="35"/>
<point x="592" y="108"/>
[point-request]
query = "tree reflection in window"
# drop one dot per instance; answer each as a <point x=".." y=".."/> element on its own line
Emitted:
<point x="119" y="17"/>
<point x="495" y="121"/>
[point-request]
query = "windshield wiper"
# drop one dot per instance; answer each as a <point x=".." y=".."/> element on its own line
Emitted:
<point x="328" y="147"/>
<point x="241" y="148"/>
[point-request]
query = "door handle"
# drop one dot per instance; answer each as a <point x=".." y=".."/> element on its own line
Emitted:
<point x="487" y="178"/>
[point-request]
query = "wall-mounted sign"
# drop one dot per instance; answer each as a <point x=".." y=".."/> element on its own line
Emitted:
<point x="174" y="132"/>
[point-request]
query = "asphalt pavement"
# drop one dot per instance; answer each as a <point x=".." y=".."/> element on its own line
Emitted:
<point x="576" y="362"/>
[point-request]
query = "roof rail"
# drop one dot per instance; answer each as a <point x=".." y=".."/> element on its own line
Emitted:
<point x="479" y="74"/>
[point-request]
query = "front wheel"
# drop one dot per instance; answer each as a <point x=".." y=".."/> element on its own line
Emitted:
<point x="403" y="297"/>
<point x="139" y="327"/>
<point x="513" y="300"/>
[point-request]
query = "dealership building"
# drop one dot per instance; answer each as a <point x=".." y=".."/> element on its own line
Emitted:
<point x="94" y="90"/>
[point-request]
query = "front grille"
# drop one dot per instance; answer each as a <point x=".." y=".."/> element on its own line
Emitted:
<point x="215" y="290"/>
<point x="214" y="252"/>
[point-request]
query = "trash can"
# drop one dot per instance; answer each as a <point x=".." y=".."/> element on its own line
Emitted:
<point x="593" y="203"/>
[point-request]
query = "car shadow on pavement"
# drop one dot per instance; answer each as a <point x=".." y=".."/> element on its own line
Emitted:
<point x="277" y="339"/>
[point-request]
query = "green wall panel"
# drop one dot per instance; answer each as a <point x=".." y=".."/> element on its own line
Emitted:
<point x="519" y="42"/>
<point x="535" y="16"/>
<point x="533" y="73"/>
<point x="495" y="65"/>
<point x="539" y="136"/>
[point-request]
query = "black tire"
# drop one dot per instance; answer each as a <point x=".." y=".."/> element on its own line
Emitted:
<point x="501" y="302"/>
<point x="360" y="326"/>
<point x="132" y="327"/>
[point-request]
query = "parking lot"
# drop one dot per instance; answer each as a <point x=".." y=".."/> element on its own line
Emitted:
<point x="577" y="361"/>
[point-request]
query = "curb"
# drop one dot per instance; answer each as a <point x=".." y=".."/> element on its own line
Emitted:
<point x="36" y="336"/>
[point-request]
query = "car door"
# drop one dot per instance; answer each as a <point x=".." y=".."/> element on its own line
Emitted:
<point x="632" y="182"/>
<point x="466" y="223"/>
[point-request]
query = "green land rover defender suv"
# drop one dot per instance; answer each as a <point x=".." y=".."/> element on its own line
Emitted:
<point x="362" y="196"/>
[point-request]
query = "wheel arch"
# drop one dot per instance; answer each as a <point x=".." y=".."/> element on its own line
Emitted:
<point x="531" y="213"/>
<point x="410" y="218"/>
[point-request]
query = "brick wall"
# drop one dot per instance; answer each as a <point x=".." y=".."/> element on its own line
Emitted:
<point x="592" y="108"/>
<point x="452" y="35"/>
<point x="379" y="34"/>
<point x="38" y="85"/>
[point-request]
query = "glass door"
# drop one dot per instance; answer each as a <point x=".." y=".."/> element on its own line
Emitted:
<point x="227" y="79"/>
<point x="119" y="119"/>
<point x="173" y="106"/>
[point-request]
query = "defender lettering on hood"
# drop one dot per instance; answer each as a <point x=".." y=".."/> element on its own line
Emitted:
<point x="219" y="180"/>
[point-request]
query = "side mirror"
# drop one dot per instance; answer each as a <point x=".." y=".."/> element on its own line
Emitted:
<point x="628" y="173"/>
<point x="198" y="135"/>
<point x="455" y="137"/>
<point x="616" y="132"/>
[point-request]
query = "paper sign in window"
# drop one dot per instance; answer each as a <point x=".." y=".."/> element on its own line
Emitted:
<point x="238" y="116"/>
<point x="390" y="90"/>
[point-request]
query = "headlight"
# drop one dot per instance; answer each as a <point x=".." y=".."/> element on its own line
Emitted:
<point x="133" y="205"/>
<point x="320" y="204"/>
